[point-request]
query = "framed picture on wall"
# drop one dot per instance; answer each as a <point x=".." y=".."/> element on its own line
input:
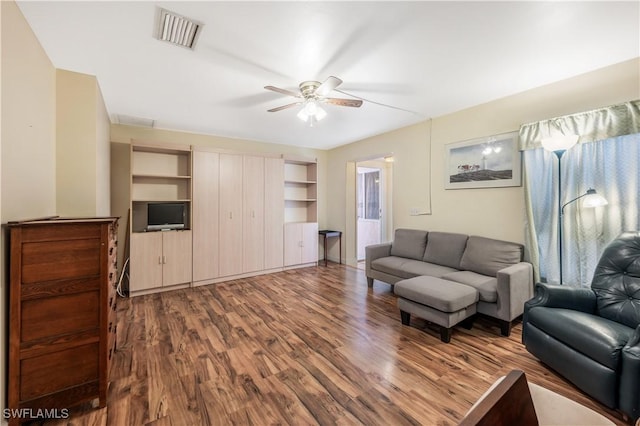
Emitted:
<point x="488" y="162"/>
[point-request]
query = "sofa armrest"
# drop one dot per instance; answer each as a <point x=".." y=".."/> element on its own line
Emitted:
<point x="629" y="385"/>
<point x="561" y="296"/>
<point x="376" y="251"/>
<point x="515" y="287"/>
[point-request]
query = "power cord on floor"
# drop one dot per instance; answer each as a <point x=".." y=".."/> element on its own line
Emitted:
<point x="125" y="272"/>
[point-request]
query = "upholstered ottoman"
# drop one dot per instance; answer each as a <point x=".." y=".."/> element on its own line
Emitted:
<point x="445" y="303"/>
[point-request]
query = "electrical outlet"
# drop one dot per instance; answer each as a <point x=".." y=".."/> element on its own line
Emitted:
<point x="414" y="211"/>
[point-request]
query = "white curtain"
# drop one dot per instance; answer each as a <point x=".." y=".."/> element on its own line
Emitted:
<point x="610" y="165"/>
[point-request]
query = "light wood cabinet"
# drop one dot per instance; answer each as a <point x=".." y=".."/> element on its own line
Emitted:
<point x="300" y="212"/>
<point x="273" y="213"/>
<point x="162" y="174"/>
<point x="206" y="168"/>
<point x="231" y="240"/>
<point x="253" y="185"/>
<point x="300" y="243"/>
<point x="62" y="317"/>
<point x="159" y="260"/>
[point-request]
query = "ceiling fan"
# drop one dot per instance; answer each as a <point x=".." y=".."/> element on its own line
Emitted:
<point x="312" y="94"/>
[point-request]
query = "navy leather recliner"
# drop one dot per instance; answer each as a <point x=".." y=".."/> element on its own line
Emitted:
<point x="591" y="336"/>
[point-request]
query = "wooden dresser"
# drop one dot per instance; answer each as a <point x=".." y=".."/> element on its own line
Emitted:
<point x="62" y="325"/>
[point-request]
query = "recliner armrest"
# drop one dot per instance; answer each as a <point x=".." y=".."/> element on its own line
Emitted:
<point x="629" y="393"/>
<point x="376" y="251"/>
<point x="562" y="296"/>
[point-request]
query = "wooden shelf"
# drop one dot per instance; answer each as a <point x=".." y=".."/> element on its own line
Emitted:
<point x="156" y="176"/>
<point x="161" y="200"/>
<point x="300" y="182"/>
<point x="300" y="191"/>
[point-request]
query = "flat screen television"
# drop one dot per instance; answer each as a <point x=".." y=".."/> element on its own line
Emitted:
<point x="161" y="216"/>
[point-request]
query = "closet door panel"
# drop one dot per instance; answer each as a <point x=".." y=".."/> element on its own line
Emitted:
<point x="309" y="242"/>
<point x="146" y="261"/>
<point x="253" y="218"/>
<point x="176" y="257"/>
<point x="273" y="213"/>
<point x="205" y="215"/>
<point x="230" y="242"/>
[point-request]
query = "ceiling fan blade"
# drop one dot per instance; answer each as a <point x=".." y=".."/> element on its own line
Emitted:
<point x="280" y="108"/>
<point x="329" y="84"/>
<point x="344" y="102"/>
<point x="283" y="91"/>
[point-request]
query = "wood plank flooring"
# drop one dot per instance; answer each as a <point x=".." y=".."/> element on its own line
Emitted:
<point x="301" y="347"/>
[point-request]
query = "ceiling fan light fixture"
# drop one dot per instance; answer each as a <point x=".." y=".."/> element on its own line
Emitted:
<point x="311" y="109"/>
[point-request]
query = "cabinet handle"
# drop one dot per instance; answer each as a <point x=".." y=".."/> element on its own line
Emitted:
<point x="159" y="260"/>
<point x="230" y="215"/>
<point x="253" y="213"/>
<point x="164" y="260"/>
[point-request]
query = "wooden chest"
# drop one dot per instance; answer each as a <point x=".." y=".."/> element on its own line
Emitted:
<point x="62" y="325"/>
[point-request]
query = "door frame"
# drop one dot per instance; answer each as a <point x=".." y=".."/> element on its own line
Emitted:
<point x="351" y="219"/>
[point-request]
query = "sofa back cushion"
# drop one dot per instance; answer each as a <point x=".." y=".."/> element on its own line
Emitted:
<point x="487" y="256"/>
<point x="445" y="248"/>
<point x="616" y="280"/>
<point x="409" y="243"/>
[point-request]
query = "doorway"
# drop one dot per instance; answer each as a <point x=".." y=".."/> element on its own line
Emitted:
<point x="373" y="204"/>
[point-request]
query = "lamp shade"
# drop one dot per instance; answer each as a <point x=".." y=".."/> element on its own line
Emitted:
<point x="559" y="143"/>
<point x="593" y="199"/>
<point x="311" y="108"/>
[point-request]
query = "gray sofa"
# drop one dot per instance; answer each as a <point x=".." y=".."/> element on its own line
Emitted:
<point x="493" y="267"/>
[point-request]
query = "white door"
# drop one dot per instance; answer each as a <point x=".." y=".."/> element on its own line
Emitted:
<point x="369" y="207"/>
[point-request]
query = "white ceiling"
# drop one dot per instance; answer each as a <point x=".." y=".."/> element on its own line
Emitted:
<point x="429" y="57"/>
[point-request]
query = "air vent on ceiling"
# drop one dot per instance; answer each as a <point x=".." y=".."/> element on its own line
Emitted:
<point x="177" y="29"/>
<point x="129" y="120"/>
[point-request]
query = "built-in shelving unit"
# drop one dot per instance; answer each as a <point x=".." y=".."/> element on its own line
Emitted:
<point x="160" y="261"/>
<point x="300" y="212"/>
<point x="300" y="190"/>
<point x="158" y="174"/>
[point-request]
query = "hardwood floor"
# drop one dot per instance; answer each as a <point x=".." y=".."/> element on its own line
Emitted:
<point x="307" y="346"/>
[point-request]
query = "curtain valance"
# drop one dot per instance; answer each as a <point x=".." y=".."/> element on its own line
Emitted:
<point x="591" y="126"/>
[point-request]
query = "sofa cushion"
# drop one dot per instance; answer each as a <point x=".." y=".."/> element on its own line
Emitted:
<point x="445" y="248"/>
<point x="598" y="338"/>
<point x="409" y="243"/>
<point x="415" y="268"/>
<point x="486" y="286"/>
<point x="487" y="256"/>
<point x="392" y="265"/>
<point x="445" y="296"/>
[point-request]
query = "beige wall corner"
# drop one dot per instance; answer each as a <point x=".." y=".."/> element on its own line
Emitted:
<point x="27" y="135"/>
<point x="82" y="152"/>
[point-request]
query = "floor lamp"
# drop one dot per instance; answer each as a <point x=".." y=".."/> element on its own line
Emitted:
<point x="590" y="199"/>
<point x="559" y="145"/>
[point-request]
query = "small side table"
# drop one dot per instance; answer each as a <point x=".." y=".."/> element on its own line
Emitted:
<point x="328" y="234"/>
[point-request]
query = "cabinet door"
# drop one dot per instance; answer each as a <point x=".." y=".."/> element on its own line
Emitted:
<point x="205" y="215"/>
<point x="292" y="244"/>
<point x="273" y="213"/>
<point x="230" y="248"/>
<point x="176" y="252"/>
<point x="309" y="242"/>
<point x="146" y="261"/>
<point x="253" y="185"/>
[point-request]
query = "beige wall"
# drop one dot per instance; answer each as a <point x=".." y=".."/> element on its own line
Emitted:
<point x="496" y="212"/>
<point x="83" y="156"/>
<point x="27" y="138"/>
<point x="103" y="156"/>
<point x="410" y="149"/>
<point x="121" y="137"/>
